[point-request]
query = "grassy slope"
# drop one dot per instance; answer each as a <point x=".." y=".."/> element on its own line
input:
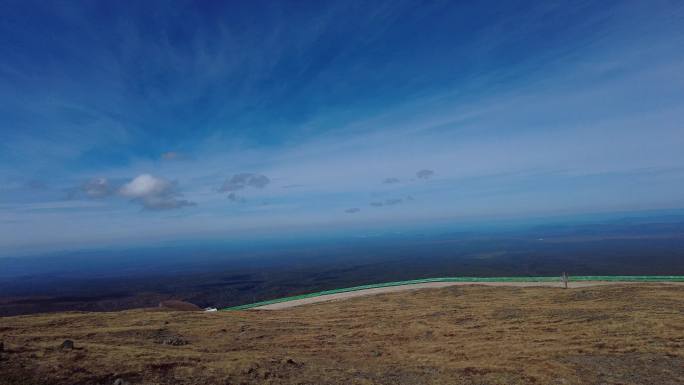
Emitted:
<point x="458" y="335"/>
<point x="607" y="278"/>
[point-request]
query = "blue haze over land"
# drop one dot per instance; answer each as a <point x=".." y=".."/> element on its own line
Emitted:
<point x="132" y="122"/>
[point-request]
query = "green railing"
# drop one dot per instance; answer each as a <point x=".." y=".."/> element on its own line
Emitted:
<point x="621" y="278"/>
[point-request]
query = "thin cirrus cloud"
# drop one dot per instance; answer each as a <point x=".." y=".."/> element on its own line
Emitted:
<point x="97" y="188"/>
<point x="352" y="210"/>
<point x="36" y="185"/>
<point x="387" y="202"/>
<point x="93" y="188"/>
<point x="174" y="155"/>
<point x="506" y="137"/>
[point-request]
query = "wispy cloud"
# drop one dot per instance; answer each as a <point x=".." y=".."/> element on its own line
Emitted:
<point x="174" y="156"/>
<point x="425" y="174"/>
<point x="390" y="180"/>
<point x="515" y="116"/>
<point x="233" y="197"/>
<point x="244" y="180"/>
<point x="97" y="188"/>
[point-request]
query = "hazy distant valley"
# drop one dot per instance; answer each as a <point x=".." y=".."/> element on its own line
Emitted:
<point x="227" y="275"/>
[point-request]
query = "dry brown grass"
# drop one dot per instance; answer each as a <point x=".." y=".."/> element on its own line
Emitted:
<point x="459" y="335"/>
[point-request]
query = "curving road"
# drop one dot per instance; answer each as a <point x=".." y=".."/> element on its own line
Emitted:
<point x="433" y="285"/>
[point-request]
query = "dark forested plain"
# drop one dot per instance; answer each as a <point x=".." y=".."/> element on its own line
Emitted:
<point x="224" y="275"/>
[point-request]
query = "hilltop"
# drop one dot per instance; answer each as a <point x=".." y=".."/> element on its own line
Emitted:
<point x="622" y="334"/>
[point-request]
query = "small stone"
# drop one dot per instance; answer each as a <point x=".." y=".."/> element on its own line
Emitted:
<point x="67" y="345"/>
<point x="121" y="381"/>
<point x="164" y="337"/>
<point x="252" y="370"/>
<point x="292" y="362"/>
<point x="174" y="341"/>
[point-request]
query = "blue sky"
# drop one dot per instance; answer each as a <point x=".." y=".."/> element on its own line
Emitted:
<point x="140" y="121"/>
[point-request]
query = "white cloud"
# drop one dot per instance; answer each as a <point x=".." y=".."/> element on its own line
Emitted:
<point x="153" y="193"/>
<point x="145" y="185"/>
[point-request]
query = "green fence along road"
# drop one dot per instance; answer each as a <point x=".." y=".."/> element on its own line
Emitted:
<point x="620" y="278"/>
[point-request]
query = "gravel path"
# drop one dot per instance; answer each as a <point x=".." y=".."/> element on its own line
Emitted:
<point x="432" y="285"/>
